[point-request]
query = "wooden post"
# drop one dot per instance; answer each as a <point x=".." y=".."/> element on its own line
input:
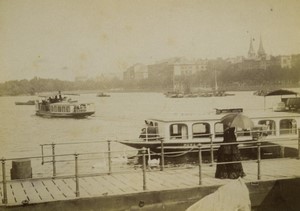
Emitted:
<point x="109" y="156"/>
<point x="4" y="200"/>
<point x="77" y="193"/>
<point x="299" y="143"/>
<point x="258" y="160"/>
<point x="53" y="160"/>
<point x="144" y="168"/>
<point x="162" y="154"/>
<point x="200" y="164"/>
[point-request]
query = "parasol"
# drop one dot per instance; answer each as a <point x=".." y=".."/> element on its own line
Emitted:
<point x="237" y="120"/>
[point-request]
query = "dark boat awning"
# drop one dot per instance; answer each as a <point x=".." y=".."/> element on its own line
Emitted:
<point x="281" y="92"/>
<point x="277" y="93"/>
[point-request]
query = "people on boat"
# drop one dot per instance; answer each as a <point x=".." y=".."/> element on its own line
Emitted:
<point x="59" y="96"/>
<point x="229" y="153"/>
<point x="149" y="132"/>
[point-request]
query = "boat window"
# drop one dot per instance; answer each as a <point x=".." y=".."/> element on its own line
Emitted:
<point x="270" y="126"/>
<point x="68" y="109"/>
<point x="288" y="126"/>
<point x="55" y="108"/>
<point x="178" y="131"/>
<point x="63" y="109"/>
<point x="219" y="129"/>
<point x="201" y="130"/>
<point x="59" y="109"/>
<point x="242" y="132"/>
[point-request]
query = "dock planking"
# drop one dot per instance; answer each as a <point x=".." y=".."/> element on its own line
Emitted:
<point x="44" y="190"/>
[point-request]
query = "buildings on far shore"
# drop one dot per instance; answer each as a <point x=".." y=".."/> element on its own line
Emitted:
<point x="180" y="66"/>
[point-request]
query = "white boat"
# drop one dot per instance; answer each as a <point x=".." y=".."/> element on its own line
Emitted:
<point x="185" y="132"/>
<point x="60" y="107"/>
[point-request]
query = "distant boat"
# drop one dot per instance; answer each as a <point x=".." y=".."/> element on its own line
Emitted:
<point x="59" y="107"/>
<point x="181" y="89"/>
<point x="215" y="92"/>
<point x="101" y="94"/>
<point x="29" y="102"/>
<point x="261" y="92"/>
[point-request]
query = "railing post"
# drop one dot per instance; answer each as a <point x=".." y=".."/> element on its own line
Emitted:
<point x="298" y="143"/>
<point x="53" y="160"/>
<point x="42" y="148"/>
<point x="282" y="151"/>
<point x="109" y="155"/>
<point x="77" y="193"/>
<point x="144" y="168"/>
<point x="200" y="164"/>
<point x="258" y="160"/>
<point x="211" y="150"/>
<point x="162" y="154"/>
<point x="4" y="200"/>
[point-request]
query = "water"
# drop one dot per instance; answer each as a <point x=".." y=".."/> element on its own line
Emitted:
<point x="120" y="116"/>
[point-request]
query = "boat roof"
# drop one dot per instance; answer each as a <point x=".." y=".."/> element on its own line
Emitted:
<point x="281" y="92"/>
<point x="188" y="117"/>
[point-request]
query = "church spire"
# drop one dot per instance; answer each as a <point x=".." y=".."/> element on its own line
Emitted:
<point x="261" y="52"/>
<point x="251" y="52"/>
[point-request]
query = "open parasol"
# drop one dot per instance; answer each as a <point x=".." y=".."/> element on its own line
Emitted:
<point x="237" y="120"/>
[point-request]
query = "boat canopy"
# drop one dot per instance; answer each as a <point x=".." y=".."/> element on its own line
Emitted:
<point x="277" y="93"/>
<point x="281" y="92"/>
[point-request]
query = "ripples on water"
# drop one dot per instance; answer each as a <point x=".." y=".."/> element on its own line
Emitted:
<point x="120" y="116"/>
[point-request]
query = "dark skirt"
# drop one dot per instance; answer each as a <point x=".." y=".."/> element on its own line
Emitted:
<point x="228" y="153"/>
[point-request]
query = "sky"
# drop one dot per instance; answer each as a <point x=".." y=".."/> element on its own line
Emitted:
<point x="65" y="39"/>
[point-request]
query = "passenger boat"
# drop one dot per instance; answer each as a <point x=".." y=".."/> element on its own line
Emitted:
<point x="101" y="94"/>
<point x="185" y="132"/>
<point x="29" y="102"/>
<point x="60" y="107"/>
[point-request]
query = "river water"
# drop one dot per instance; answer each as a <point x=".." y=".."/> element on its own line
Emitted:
<point x="120" y="116"/>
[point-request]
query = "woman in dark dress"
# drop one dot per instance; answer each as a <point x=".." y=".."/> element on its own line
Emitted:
<point x="228" y="153"/>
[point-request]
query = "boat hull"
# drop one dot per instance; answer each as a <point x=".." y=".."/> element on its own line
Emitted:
<point x="64" y="115"/>
<point x="25" y="103"/>
<point x="156" y="146"/>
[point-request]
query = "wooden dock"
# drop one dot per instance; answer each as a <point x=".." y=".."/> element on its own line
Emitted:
<point x="47" y="190"/>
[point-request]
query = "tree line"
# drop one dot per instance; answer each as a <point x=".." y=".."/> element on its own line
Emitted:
<point x="38" y="85"/>
<point x="228" y="78"/>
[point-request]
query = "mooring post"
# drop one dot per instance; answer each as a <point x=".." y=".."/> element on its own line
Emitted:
<point x="109" y="155"/>
<point x="4" y="200"/>
<point x="162" y="154"/>
<point x="298" y="143"/>
<point x="77" y="193"/>
<point x="258" y="159"/>
<point x="211" y="150"/>
<point x="53" y="160"/>
<point x="144" y="168"/>
<point x="200" y="164"/>
<point x="42" y="148"/>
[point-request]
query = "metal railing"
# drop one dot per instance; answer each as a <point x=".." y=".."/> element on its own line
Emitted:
<point x="199" y="148"/>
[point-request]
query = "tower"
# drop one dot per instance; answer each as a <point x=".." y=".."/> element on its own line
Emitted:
<point x="261" y="52"/>
<point x="251" y="52"/>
